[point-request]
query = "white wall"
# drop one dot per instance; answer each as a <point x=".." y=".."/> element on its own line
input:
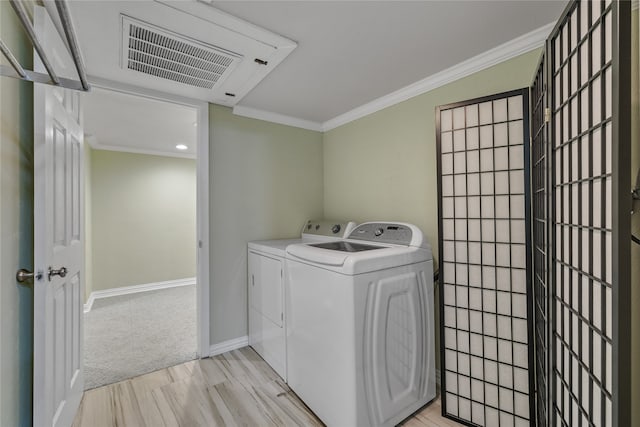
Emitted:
<point x="143" y="219"/>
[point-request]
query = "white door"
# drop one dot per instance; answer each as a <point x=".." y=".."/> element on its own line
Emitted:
<point x="58" y="244"/>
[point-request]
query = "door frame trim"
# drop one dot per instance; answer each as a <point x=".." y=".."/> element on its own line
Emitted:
<point x="202" y="204"/>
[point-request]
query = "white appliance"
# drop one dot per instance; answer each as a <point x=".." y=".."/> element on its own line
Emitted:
<point x="266" y="291"/>
<point x="360" y="325"/>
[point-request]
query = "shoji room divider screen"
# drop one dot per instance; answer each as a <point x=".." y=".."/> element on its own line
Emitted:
<point x="535" y="314"/>
<point x="484" y="214"/>
<point x="582" y="218"/>
<point x="539" y="187"/>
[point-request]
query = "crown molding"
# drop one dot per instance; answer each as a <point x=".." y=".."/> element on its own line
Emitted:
<point x="94" y="144"/>
<point x="504" y="52"/>
<point x="508" y="50"/>
<point x="254" y="113"/>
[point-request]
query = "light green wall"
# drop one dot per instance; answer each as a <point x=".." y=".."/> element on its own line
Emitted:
<point x="383" y="166"/>
<point x="16" y="230"/>
<point x="265" y="181"/>
<point x="143" y="219"/>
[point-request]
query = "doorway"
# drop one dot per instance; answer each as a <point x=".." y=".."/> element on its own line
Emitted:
<point x="143" y="225"/>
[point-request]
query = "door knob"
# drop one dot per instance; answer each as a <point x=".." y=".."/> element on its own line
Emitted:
<point x="23" y="275"/>
<point x="62" y="272"/>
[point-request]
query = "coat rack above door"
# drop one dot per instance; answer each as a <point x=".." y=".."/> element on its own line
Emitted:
<point x="17" y="71"/>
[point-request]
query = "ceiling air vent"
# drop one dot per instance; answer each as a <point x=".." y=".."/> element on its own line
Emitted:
<point x="161" y="53"/>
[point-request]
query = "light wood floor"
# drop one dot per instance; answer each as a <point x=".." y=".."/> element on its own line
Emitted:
<point x="234" y="388"/>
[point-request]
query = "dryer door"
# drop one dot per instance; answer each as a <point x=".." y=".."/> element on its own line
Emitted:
<point x="265" y="286"/>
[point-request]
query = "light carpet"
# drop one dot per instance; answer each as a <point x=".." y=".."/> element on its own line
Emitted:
<point x="130" y="335"/>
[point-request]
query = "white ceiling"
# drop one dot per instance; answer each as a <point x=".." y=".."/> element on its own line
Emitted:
<point x="122" y="122"/>
<point x="352" y="52"/>
<point x="349" y="53"/>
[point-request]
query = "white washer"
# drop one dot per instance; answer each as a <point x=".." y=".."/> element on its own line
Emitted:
<point x="360" y="325"/>
<point x="266" y="291"/>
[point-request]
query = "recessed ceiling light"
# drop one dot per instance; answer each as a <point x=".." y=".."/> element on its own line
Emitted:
<point x="181" y="147"/>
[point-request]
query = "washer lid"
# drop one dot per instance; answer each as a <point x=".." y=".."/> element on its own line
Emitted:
<point x="322" y="257"/>
<point x="343" y="246"/>
<point x="381" y="258"/>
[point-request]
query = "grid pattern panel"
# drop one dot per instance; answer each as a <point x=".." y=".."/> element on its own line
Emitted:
<point x="539" y="184"/>
<point x="485" y="297"/>
<point x="581" y="66"/>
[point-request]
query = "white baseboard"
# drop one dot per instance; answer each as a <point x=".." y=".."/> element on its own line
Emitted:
<point x="125" y="290"/>
<point x="229" y="345"/>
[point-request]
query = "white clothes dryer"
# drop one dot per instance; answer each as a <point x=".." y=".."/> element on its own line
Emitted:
<point x="266" y="291"/>
<point x="360" y="325"/>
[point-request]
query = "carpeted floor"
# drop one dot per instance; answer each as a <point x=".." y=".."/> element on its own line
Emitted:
<point x="130" y="335"/>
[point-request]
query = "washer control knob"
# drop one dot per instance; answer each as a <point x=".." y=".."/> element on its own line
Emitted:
<point x="317" y="226"/>
<point x="308" y="226"/>
<point x="379" y="232"/>
<point x="336" y="228"/>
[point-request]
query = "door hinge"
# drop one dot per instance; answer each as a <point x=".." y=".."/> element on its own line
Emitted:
<point x="282" y="317"/>
<point x="547" y="115"/>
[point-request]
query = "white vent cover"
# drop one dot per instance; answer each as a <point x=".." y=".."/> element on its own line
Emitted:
<point x="161" y="53"/>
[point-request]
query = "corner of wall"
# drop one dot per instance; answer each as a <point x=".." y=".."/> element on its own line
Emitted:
<point x="266" y="179"/>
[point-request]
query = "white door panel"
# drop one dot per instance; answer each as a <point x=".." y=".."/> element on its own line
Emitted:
<point x="266" y="286"/>
<point x="266" y="315"/>
<point x="58" y="243"/>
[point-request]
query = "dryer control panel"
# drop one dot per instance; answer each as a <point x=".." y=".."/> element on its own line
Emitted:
<point x="396" y="233"/>
<point x="328" y="228"/>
